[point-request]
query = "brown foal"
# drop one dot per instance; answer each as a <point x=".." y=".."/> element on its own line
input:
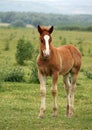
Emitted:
<point x="64" y="60"/>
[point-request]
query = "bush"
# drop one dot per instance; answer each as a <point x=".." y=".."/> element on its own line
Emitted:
<point x="12" y="74"/>
<point x="16" y="74"/>
<point x="7" y="41"/>
<point x="64" y="42"/>
<point x="89" y="52"/>
<point x="81" y="50"/>
<point x="7" y="46"/>
<point x="4" y="68"/>
<point x="34" y="71"/>
<point x="88" y="74"/>
<point x="24" y="51"/>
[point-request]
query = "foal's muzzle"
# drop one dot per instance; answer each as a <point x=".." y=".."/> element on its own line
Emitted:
<point x="46" y="53"/>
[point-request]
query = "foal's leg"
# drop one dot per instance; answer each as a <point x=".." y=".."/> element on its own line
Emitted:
<point x="54" y="93"/>
<point x="73" y="89"/>
<point x="42" y="80"/>
<point x="68" y="91"/>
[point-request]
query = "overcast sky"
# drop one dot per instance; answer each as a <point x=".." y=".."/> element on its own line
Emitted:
<point x="48" y="6"/>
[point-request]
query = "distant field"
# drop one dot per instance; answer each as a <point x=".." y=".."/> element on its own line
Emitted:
<point x="4" y="24"/>
<point x="8" y="24"/>
<point x="20" y="102"/>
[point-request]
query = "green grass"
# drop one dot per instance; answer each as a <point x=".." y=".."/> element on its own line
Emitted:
<point x="20" y="102"/>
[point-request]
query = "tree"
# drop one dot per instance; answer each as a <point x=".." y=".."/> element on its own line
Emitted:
<point x="18" y="23"/>
<point x="24" y="51"/>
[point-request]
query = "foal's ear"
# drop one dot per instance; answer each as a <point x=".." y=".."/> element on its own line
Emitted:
<point x="39" y="29"/>
<point x="51" y="29"/>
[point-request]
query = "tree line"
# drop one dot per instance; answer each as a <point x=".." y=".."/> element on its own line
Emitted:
<point x="66" y="22"/>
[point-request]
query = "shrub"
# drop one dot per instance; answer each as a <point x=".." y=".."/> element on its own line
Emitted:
<point x="12" y="74"/>
<point x="24" y="51"/>
<point x="7" y="41"/>
<point x="16" y="74"/>
<point x="7" y="46"/>
<point x="4" y="68"/>
<point x="81" y="50"/>
<point x="80" y="41"/>
<point x="88" y="74"/>
<point x="89" y="52"/>
<point x="64" y="42"/>
<point x="34" y="71"/>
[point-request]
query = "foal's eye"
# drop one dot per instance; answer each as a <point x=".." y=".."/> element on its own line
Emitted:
<point x="42" y="40"/>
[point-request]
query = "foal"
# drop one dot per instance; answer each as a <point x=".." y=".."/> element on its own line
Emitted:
<point x="52" y="61"/>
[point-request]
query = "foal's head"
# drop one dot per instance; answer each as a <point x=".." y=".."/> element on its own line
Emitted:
<point x="45" y="39"/>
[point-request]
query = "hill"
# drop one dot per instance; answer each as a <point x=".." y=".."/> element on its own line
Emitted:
<point x="45" y="19"/>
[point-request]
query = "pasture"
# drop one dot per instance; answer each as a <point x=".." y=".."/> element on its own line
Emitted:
<point x="20" y="102"/>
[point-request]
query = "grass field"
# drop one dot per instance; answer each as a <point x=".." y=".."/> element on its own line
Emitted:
<point x="20" y="102"/>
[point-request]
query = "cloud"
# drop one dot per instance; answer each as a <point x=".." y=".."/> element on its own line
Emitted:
<point x="48" y="6"/>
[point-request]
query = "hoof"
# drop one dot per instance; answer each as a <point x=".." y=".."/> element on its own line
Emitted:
<point x="40" y="115"/>
<point x="70" y="111"/>
<point x="54" y="114"/>
<point x="69" y="115"/>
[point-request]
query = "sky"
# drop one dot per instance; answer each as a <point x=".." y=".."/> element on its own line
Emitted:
<point x="48" y="6"/>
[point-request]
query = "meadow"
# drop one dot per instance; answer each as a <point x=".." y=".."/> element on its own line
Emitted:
<point x="20" y="101"/>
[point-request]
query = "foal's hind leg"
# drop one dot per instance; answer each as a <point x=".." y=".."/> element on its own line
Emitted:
<point x="70" y="89"/>
<point x="73" y="90"/>
<point x="70" y="95"/>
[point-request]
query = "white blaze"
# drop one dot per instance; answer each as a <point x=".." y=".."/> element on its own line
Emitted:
<point x="47" y="50"/>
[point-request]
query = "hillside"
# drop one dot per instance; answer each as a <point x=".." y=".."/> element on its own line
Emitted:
<point x="45" y="19"/>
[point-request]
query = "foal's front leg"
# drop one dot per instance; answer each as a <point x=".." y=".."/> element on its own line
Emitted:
<point x="42" y="80"/>
<point x="54" y="93"/>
